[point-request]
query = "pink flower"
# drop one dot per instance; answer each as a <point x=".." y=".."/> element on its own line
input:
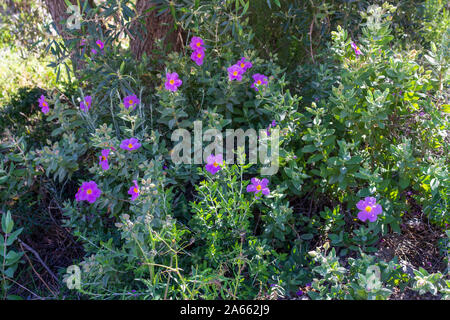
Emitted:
<point x="78" y="194"/>
<point x="244" y="64"/>
<point x="100" y="44"/>
<point x="103" y="159"/>
<point x="235" y="72"/>
<point x="134" y="191"/>
<point x="259" y="80"/>
<point x="273" y="124"/>
<point x="172" y="81"/>
<point x="43" y="104"/>
<point x="130" y="101"/>
<point x="130" y="144"/>
<point x="86" y="104"/>
<point x="356" y="49"/>
<point x="88" y="192"/>
<point x="198" y="55"/>
<point x="369" y="209"/>
<point x="196" y="43"/>
<point x="258" y="186"/>
<point x="214" y="163"/>
<point x="93" y="51"/>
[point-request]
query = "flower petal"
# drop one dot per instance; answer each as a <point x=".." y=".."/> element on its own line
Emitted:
<point x="362" y="216"/>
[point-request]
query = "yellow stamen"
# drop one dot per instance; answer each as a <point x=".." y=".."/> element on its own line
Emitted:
<point x="215" y="164"/>
<point x="198" y="44"/>
<point x="89" y="191"/>
<point x="235" y="73"/>
<point x="130" y="145"/>
<point x="135" y="190"/>
<point x="171" y="81"/>
<point x="130" y="102"/>
<point x="368" y="208"/>
<point x="103" y="158"/>
<point x="259" y="82"/>
<point x="258" y="187"/>
<point x="242" y="65"/>
<point x="199" y="55"/>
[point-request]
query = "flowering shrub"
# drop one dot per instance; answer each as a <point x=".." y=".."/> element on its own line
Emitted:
<point x="367" y="147"/>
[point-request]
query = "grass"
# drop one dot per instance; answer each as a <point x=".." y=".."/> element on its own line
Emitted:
<point x="20" y="69"/>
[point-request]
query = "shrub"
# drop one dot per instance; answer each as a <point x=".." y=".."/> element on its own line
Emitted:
<point x="366" y="145"/>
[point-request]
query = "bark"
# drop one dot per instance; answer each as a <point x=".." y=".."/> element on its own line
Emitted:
<point x="154" y="27"/>
<point x="57" y="9"/>
<point x="149" y="28"/>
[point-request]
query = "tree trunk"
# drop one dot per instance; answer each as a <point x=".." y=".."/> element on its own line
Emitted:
<point x="155" y="27"/>
<point x="58" y="11"/>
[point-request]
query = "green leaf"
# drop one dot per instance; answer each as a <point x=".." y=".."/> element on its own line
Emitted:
<point x="7" y="223"/>
<point x="309" y="148"/>
<point x="306" y="236"/>
<point x="404" y="182"/>
<point x="13" y="236"/>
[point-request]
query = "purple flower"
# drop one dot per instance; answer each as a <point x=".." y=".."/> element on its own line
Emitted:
<point x="172" y="81"/>
<point x="100" y="44"/>
<point x="259" y="79"/>
<point x="78" y="194"/>
<point x="86" y="104"/>
<point x="196" y="43"/>
<point x="43" y="104"/>
<point x="130" y="101"/>
<point x="273" y="124"/>
<point x="82" y="42"/>
<point x="88" y="192"/>
<point x="356" y="49"/>
<point x="258" y="186"/>
<point x="214" y="163"/>
<point x="94" y="51"/>
<point x="369" y="209"/>
<point x="130" y="144"/>
<point x="244" y="64"/>
<point x="299" y="292"/>
<point x="235" y="72"/>
<point x="103" y="159"/>
<point x="198" y="55"/>
<point x="134" y="191"/>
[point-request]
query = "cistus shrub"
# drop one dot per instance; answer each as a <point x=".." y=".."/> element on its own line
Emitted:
<point x="366" y="143"/>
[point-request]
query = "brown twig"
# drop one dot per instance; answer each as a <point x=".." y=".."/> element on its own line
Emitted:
<point x="23" y="287"/>
<point x="310" y="40"/>
<point x="39" y="259"/>
<point x="37" y="273"/>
